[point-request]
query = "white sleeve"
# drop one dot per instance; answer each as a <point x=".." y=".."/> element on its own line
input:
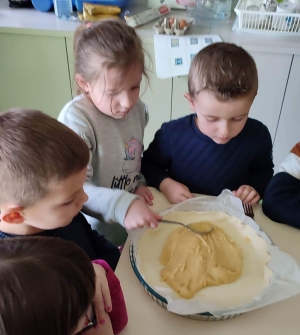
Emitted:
<point x="291" y="165"/>
<point x="110" y="204"/>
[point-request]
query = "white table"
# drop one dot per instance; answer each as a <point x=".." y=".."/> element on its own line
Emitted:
<point x="146" y="317"/>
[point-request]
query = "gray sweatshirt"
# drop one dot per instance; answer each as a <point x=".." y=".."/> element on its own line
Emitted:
<point x="116" y="148"/>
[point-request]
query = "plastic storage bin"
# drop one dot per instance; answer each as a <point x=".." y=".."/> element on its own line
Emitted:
<point x="270" y="23"/>
<point x="210" y="9"/>
<point x="119" y="3"/>
<point x="45" y="5"/>
<point x="63" y="9"/>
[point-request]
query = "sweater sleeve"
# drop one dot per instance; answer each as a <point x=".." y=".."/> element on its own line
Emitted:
<point x="102" y="247"/>
<point x="282" y="199"/>
<point x="142" y="181"/>
<point x="262" y="166"/>
<point x="118" y="315"/>
<point x="106" y="203"/>
<point x="156" y="159"/>
<point x="110" y="204"/>
<point x="291" y="165"/>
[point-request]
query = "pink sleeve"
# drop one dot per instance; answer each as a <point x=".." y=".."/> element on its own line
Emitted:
<point x="118" y="315"/>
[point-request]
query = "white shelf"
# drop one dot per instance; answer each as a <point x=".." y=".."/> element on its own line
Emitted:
<point x="48" y="24"/>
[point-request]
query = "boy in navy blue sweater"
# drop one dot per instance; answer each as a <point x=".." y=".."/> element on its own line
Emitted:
<point x="218" y="147"/>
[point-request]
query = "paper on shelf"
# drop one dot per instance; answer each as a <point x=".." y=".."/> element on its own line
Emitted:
<point x="173" y="54"/>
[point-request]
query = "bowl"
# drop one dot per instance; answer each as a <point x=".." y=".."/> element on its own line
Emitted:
<point x="163" y="302"/>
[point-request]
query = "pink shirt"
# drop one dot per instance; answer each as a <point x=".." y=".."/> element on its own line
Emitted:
<point x="118" y="315"/>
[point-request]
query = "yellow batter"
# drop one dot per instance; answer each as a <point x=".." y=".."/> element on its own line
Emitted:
<point x="255" y="274"/>
<point x="192" y="262"/>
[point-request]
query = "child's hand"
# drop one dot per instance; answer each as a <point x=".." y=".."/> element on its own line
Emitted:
<point x="102" y="295"/>
<point x="145" y="194"/>
<point x="102" y="329"/>
<point x="174" y="191"/>
<point x="139" y="215"/>
<point x="247" y="194"/>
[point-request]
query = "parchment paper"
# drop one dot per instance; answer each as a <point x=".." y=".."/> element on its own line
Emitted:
<point x="284" y="280"/>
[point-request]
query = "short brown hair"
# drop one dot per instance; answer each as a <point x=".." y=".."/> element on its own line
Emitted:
<point x="224" y="69"/>
<point x="47" y="284"/>
<point x="104" y="45"/>
<point x="35" y="150"/>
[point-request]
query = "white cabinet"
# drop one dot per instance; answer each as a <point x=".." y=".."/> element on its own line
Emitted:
<point x="273" y="71"/>
<point x="288" y="132"/>
<point x="180" y="105"/>
<point x="157" y="97"/>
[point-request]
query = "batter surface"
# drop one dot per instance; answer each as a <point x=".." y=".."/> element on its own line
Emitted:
<point x="192" y="262"/>
<point x="254" y="276"/>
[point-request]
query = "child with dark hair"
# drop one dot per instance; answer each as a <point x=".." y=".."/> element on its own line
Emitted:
<point x="218" y="147"/>
<point x="48" y="287"/>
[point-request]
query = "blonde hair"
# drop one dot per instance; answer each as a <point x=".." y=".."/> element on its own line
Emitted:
<point x="36" y="150"/>
<point x="224" y="69"/>
<point x="104" y="45"/>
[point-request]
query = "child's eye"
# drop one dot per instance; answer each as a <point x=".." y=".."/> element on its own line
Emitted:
<point x="136" y="87"/>
<point x="237" y="119"/>
<point x="111" y="94"/>
<point x="211" y="119"/>
<point x="68" y="203"/>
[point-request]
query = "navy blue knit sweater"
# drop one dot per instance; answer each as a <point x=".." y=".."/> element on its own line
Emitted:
<point x="80" y="232"/>
<point x="182" y="152"/>
<point x="282" y="199"/>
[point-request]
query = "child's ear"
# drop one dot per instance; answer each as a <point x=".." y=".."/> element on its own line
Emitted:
<point x="12" y="214"/>
<point x="82" y="83"/>
<point x="190" y="101"/>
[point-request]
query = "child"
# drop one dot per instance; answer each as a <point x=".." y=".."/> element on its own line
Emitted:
<point x="110" y="117"/>
<point x="42" y="172"/>
<point x="282" y="197"/>
<point x="218" y="147"/>
<point x="48" y="286"/>
<point x="43" y="168"/>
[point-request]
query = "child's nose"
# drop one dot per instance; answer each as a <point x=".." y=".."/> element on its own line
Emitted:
<point x="82" y="198"/>
<point x="224" y="129"/>
<point x="85" y="197"/>
<point x="126" y="100"/>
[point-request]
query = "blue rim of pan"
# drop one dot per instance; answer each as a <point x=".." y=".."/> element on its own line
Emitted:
<point x="163" y="302"/>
